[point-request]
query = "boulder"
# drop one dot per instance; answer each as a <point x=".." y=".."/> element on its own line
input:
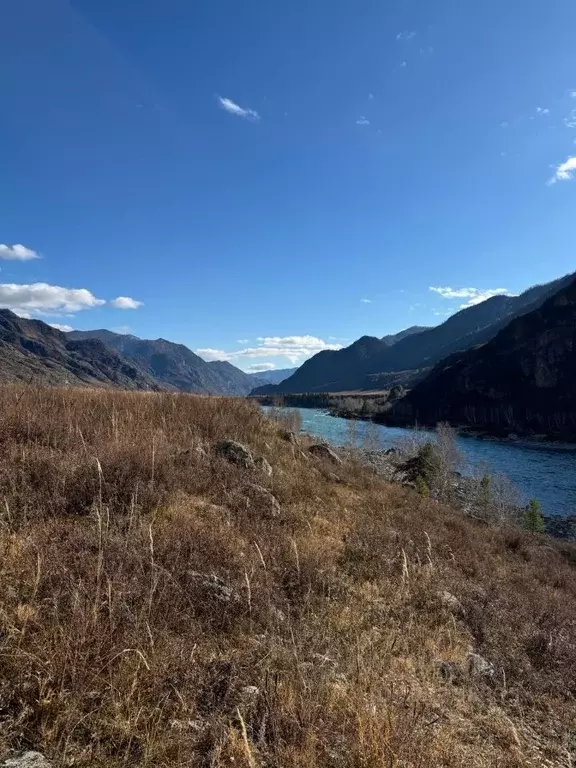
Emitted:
<point x="235" y="453"/>
<point x="28" y="759"/>
<point x="216" y="587"/>
<point x="452" y="603"/>
<point x="478" y="668"/>
<point x="262" y="501"/>
<point x="263" y="465"/>
<point x="323" y="451"/>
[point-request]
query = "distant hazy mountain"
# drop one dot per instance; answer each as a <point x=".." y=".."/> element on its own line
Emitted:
<point x="369" y="361"/>
<point x="31" y="350"/>
<point x="524" y="379"/>
<point x="271" y="377"/>
<point x="173" y="366"/>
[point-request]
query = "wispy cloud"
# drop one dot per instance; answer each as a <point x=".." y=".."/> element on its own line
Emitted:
<point x="542" y="111"/>
<point x="17" y="252"/>
<point x="370" y="97"/>
<point x="407" y="35"/>
<point x="125" y="302"/>
<point x="293" y="348"/>
<point x="260" y="367"/>
<point x="63" y="328"/>
<point x="564" y="172"/>
<point x="45" y="299"/>
<point x="235" y="109"/>
<point x="362" y="121"/>
<point x="573" y="94"/>
<point x="243" y="341"/>
<point x="366" y="301"/>
<point x="474" y="295"/>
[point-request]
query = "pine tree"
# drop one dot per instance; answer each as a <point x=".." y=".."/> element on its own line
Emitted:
<point x="533" y="518"/>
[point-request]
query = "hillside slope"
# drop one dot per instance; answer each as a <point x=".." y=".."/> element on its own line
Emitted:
<point x="344" y="369"/>
<point x="522" y="380"/>
<point x="173" y="365"/>
<point x="33" y="351"/>
<point x="164" y="607"/>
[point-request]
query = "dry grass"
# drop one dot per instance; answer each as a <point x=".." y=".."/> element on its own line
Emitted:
<point x="320" y="646"/>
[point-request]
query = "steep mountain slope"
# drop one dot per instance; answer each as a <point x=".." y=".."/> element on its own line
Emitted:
<point x="346" y="369"/>
<point x="522" y="380"/>
<point x="173" y="365"/>
<point x="232" y="381"/>
<point x="31" y="350"/>
<point x="271" y="377"/>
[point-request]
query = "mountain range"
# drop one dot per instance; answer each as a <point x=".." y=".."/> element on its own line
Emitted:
<point x="371" y="363"/>
<point x="31" y="350"/>
<point x="523" y="380"/>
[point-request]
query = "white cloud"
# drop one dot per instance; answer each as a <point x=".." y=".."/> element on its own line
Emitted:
<point x="243" y="341"/>
<point x="542" y="111"/>
<point x="125" y="302"/>
<point x="362" y="121"/>
<point x="366" y="301"/>
<point x="63" y="328"/>
<point x="293" y="348"/>
<point x="408" y="35"/>
<point x="565" y="171"/>
<point x="42" y="298"/>
<point x="17" y="252"/>
<point x="474" y="295"/>
<point x="573" y="94"/>
<point x="235" y="109"/>
<point x="123" y="330"/>
<point x="570" y="120"/>
<point x="260" y="367"/>
<point x="403" y="64"/>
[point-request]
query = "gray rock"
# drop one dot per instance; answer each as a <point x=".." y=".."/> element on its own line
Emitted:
<point x="263" y="465"/>
<point x="216" y="587"/>
<point x="262" y="500"/>
<point x="323" y="451"/>
<point x="450" y="670"/>
<point x="452" y="603"/>
<point x="27" y="760"/>
<point x="235" y="453"/>
<point x="478" y="668"/>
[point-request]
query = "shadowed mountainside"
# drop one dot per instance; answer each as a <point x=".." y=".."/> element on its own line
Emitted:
<point x="31" y="350"/>
<point x="523" y="380"/>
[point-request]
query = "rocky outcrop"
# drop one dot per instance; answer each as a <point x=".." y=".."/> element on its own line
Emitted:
<point x="28" y="759"/>
<point x="522" y="382"/>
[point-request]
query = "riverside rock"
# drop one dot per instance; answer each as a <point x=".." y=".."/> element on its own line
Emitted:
<point x="323" y="451"/>
<point x="235" y="453"/>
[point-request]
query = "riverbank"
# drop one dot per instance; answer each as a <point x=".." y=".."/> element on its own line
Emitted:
<point x="378" y="408"/>
<point x="463" y="493"/>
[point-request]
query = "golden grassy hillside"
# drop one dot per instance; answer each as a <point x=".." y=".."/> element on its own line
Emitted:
<point x="155" y="611"/>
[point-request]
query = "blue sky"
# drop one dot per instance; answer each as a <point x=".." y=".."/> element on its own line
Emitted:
<point x="260" y="180"/>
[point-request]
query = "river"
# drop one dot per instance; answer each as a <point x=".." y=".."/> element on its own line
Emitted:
<point x="542" y="471"/>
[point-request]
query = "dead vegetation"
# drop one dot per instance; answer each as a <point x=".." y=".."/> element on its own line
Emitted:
<point x="153" y="612"/>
